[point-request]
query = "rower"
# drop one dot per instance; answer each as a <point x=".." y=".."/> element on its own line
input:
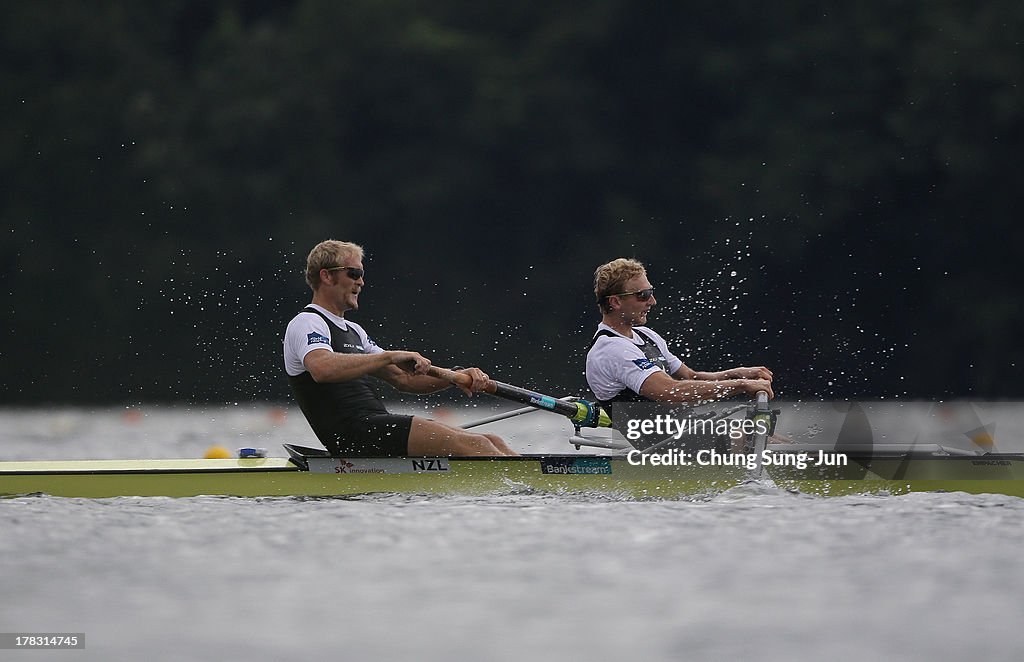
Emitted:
<point x="330" y="361"/>
<point x="630" y="362"/>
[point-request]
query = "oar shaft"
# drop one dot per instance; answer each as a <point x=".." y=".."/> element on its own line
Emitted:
<point x="499" y="417"/>
<point x="581" y="412"/>
<point x="764" y="414"/>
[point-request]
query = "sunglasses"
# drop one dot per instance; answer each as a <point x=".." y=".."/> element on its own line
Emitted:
<point x="641" y="295"/>
<point x="355" y="273"/>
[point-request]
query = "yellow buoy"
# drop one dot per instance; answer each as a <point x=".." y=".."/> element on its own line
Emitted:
<point x="984" y="439"/>
<point x="217" y="452"/>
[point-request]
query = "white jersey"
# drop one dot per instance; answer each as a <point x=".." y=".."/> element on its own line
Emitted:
<point x="308" y="331"/>
<point x="616" y="363"/>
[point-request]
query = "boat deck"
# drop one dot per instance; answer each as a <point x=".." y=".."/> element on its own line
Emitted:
<point x="326" y="476"/>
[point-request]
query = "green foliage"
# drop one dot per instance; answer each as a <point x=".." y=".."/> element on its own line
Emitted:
<point x="167" y="167"/>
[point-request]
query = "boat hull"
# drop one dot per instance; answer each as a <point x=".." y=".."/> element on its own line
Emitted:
<point x="269" y="477"/>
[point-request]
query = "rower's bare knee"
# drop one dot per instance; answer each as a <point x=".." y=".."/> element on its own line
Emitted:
<point x="500" y="444"/>
<point x="474" y="444"/>
<point x="432" y="438"/>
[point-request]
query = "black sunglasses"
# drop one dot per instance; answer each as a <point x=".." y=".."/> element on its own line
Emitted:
<point x="355" y="273"/>
<point x="641" y="295"/>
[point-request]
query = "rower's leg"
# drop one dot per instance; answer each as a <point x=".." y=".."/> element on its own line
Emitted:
<point x="500" y="444"/>
<point x="427" y="437"/>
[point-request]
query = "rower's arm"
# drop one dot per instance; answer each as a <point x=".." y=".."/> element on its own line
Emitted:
<point x="756" y="372"/>
<point x="685" y="372"/>
<point x="325" y="365"/>
<point x="661" y="387"/>
<point x="409" y="383"/>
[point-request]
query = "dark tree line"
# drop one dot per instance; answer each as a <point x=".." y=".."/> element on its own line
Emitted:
<point x="827" y="189"/>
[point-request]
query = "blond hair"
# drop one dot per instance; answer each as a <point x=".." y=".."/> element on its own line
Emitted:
<point x="611" y="277"/>
<point x="327" y="254"/>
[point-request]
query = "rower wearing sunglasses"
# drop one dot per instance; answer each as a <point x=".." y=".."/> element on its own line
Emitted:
<point x="628" y="362"/>
<point x="330" y="360"/>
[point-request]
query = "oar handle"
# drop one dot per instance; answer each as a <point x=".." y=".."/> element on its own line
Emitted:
<point x="459" y="378"/>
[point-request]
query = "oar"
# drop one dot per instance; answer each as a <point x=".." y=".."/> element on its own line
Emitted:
<point x="580" y="412"/>
<point x="500" y="417"/>
<point x="764" y="414"/>
<point x="508" y="414"/>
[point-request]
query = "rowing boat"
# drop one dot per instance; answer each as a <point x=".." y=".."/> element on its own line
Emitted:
<point x="313" y="473"/>
<point x="660" y="471"/>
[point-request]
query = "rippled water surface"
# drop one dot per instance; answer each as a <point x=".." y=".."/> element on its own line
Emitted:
<point x="754" y="572"/>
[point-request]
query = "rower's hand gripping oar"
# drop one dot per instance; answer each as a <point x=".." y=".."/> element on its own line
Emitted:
<point x="581" y="412"/>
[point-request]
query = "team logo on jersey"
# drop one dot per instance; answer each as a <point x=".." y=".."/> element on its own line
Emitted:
<point x="317" y="339"/>
<point x="645" y="363"/>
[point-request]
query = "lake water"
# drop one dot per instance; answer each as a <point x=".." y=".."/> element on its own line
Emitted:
<point x="752" y="573"/>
